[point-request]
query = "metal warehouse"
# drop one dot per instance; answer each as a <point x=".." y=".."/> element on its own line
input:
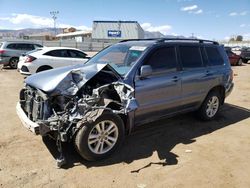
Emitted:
<point x="110" y="31"/>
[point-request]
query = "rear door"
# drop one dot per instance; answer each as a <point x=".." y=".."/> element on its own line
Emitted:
<point x="23" y="48"/>
<point x="215" y="67"/>
<point x="160" y="93"/>
<point x="194" y="75"/>
<point x="58" y="58"/>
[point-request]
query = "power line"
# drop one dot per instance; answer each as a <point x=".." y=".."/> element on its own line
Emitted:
<point x="54" y="17"/>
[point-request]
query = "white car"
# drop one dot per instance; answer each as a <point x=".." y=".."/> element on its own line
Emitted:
<point x="49" y="58"/>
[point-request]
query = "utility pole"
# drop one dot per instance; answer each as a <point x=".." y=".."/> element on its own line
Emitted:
<point x="54" y="17"/>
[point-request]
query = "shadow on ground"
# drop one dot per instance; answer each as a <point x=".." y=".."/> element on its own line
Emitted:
<point x="161" y="137"/>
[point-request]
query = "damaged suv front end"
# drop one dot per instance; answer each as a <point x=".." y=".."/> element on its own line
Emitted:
<point x="64" y="102"/>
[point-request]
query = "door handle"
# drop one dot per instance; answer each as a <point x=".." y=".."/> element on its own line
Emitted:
<point x="208" y="73"/>
<point x="175" y="79"/>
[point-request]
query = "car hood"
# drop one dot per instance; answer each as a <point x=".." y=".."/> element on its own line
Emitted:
<point x="66" y="80"/>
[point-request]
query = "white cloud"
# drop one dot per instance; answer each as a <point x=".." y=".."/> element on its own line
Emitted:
<point x="37" y="21"/>
<point x="193" y="9"/>
<point x="243" y="13"/>
<point x="189" y="8"/>
<point x="233" y="14"/>
<point x="164" y="29"/>
<point x="198" y="11"/>
<point x="243" y="25"/>
<point x="246" y="36"/>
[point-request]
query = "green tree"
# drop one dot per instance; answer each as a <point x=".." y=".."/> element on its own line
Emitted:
<point x="239" y="38"/>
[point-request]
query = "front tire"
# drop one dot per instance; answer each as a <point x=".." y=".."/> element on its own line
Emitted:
<point x="97" y="140"/>
<point x="210" y="107"/>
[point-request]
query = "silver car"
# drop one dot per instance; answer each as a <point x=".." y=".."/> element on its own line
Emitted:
<point x="126" y="85"/>
<point x="11" y="50"/>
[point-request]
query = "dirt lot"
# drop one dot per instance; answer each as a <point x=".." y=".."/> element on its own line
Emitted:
<point x="177" y="152"/>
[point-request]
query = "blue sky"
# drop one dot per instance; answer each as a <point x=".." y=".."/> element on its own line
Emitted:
<point x="210" y="19"/>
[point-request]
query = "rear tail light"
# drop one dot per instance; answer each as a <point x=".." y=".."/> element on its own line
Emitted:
<point x="2" y="52"/>
<point x="29" y="59"/>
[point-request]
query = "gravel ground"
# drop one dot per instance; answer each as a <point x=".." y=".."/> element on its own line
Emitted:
<point x="176" y="152"/>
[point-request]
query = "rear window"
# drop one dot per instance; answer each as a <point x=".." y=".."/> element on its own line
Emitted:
<point x="57" y="53"/>
<point x="1" y="44"/>
<point x="214" y="57"/>
<point x="20" y="46"/>
<point x="190" y="57"/>
<point x="76" y="54"/>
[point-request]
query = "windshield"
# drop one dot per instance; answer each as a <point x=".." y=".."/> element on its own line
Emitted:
<point x="32" y="51"/>
<point x="121" y="56"/>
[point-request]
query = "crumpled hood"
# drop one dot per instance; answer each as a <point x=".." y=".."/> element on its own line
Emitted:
<point x="66" y="80"/>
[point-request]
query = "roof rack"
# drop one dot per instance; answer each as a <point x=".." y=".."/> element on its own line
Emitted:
<point x="187" y="39"/>
<point x="173" y="39"/>
<point x="149" y="39"/>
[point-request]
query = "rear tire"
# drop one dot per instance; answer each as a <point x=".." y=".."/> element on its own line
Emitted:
<point x="99" y="139"/>
<point x="210" y="106"/>
<point x="240" y="62"/>
<point x="13" y="62"/>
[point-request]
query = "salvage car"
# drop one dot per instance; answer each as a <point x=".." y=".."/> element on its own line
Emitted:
<point x="126" y="85"/>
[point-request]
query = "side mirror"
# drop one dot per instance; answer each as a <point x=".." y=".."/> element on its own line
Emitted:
<point x="146" y="70"/>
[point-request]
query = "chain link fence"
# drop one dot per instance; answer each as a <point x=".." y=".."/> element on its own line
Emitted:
<point x="85" y="46"/>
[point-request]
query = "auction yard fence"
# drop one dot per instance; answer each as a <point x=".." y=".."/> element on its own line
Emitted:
<point x="97" y="46"/>
<point x="85" y="46"/>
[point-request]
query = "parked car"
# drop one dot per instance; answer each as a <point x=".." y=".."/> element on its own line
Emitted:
<point x="11" y="50"/>
<point x="233" y="58"/>
<point x="49" y="58"/>
<point x="245" y="54"/>
<point x="126" y="85"/>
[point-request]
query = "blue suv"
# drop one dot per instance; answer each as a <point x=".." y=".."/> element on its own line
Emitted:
<point x="125" y="85"/>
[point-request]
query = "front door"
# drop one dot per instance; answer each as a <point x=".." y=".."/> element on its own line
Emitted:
<point x="160" y="93"/>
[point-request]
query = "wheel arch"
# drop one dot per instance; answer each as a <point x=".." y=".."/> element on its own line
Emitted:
<point x="125" y="117"/>
<point x="44" y="67"/>
<point x="221" y="89"/>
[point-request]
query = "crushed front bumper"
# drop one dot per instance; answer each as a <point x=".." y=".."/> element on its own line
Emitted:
<point x="30" y="125"/>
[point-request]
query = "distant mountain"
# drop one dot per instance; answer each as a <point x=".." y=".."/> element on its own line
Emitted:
<point x="30" y="31"/>
<point x="157" y="34"/>
<point x="50" y="31"/>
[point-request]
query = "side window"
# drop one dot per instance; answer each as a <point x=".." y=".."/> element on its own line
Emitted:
<point x="27" y="47"/>
<point x="204" y="56"/>
<point x="76" y="54"/>
<point x="214" y="57"/>
<point x="57" y="53"/>
<point x="11" y="46"/>
<point x="163" y="59"/>
<point x="190" y="57"/>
